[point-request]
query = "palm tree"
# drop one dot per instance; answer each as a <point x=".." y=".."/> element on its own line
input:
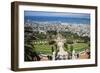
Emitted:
<point x="29" y="49"/>
<point x="71" y="50"/>
<point x="30" y="53"/>
<point x="52" y="43"/>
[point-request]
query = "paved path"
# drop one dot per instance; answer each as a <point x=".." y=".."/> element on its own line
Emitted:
<point x="83" y="56"/>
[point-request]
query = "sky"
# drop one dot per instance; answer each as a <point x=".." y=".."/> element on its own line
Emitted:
<point x="57" y="16"/>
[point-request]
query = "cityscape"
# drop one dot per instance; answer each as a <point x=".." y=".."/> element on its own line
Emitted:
<point x="80" y="29"/>
<point x="56" y="36"/>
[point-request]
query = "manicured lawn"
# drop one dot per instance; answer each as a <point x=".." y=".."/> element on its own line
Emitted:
<point x="43" y="48"/>
<point x="79" y="46"/>
<point x="46" y="48"/>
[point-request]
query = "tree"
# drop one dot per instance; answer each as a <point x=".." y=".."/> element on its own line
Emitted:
<point x="30" y="53"/>
<point x="52" y="43"/>
<point x="29" y="49"/>
<point x="71" y="50"/>
<point x="66" y="46"/>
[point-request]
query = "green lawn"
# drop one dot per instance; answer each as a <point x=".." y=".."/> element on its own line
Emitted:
<point x="79" y="46"/>
<point x="43" y="48"/>
<point x="46" y="48"/>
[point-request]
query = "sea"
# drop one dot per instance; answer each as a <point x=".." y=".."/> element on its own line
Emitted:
<point x="71" y="20"/>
